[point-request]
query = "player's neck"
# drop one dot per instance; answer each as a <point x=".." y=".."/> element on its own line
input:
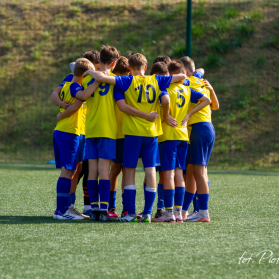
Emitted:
<point x="138" y="73"/>
<point x="104" y="67"/>
<point x="77" y="79"/>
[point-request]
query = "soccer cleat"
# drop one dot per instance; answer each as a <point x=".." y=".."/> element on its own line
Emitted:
<point x="69" y="215"/>
<point x="178" y="217"/>
<point x="78" y="213"/>
<point x="146" y="218"/>
<point x="129" y="218"/>
<point x="95" y="215"/>
<point x="198" y="218"/>
<point x="184" y="217"/>
<point x="104" y="217"/>
<point x="191" y="214"/>
<point x="124" y="213"/>
<point x="112" y="212"/>
<point x="166" y="217"/>
<point x="87" y="212"/>
<point x="139" y="215"/>
<point x="55" y="214"/>
<point x="159" y="213"/>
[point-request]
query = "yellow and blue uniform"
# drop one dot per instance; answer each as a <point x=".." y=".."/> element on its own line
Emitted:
<point x="174" y="141"/>
<point x="202" y="131"/>
<point x="67" y="131"/>
<point x="68" y="78"/>
<point x="141" y="136"/>
<point x="100" y="125"/>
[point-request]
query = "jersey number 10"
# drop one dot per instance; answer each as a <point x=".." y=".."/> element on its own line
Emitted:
<point x="150" y="101"/>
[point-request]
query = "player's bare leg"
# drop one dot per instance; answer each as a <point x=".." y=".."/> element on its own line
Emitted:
<point x="179" y="194"/>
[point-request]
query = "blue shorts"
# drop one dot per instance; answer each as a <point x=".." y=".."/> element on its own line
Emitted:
<point x="187" y="158"/>
<point x="119" y="151"/>
<point x="202" y="141"/>
<point x="65" y="150"/>
<point x="81" y="148"/>
<point x="100" y="148"/>
<point x="173" y="154"/>
<point x="144" y="147"/>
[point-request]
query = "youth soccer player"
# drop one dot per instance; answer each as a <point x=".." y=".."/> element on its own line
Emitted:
<point x="202" y="140"/>
<point x="141" y="136"/>
<point x="66" y="140"/>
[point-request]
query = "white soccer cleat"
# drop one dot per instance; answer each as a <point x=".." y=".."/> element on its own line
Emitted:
<point x="197" y="217"/>
<point x="178" y="216"/>
<point x="69" y="215"/>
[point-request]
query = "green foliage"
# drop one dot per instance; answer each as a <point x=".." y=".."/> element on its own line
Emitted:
<point x="260" y="61"/>
<point x="213" y="61"/>
<point x="231" y="13"/>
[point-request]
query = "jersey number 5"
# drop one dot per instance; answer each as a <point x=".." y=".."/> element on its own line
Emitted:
<point x="179" y="96"/>
<point x="150" y="101"/>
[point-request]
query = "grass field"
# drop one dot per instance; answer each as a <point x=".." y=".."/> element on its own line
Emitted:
<point x="243" y="211"/>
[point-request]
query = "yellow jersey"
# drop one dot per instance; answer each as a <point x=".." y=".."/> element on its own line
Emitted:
<point x="119" y="121"/>
<point x="83" y="110"/>
<point x="181" y="97"/>
<point x="100" y="117"/>
<point x="73" y="123"/>
<point x="142" y="93"/>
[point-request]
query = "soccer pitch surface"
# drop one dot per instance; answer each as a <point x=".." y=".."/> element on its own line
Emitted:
<point x="244" y="218"/>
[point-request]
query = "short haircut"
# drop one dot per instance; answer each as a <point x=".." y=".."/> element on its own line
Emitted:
<point x="159" y="68"/>
<point x="108" y="54"/>
<point x="188" y="63"/>
<point x="81" y="66"/>
<point x="122" y="66"/>
<point x="176" y="66"/>
<point x="165" y="59"/>
<point x="130" y="54"/>
<point x="93" y="56"/>
<point x="137" y="61"/>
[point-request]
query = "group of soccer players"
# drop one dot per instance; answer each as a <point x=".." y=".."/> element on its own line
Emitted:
<point x="112" y="114"/>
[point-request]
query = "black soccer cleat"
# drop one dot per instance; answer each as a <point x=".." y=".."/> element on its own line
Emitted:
<point x="104" y="217"/>
<point x="95" y="215"/>
<point x="159" y="213"/>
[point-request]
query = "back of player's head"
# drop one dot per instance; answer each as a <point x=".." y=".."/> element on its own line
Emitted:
<point x="81" y="66"/>
<point x="188" y="63"/>
<point x="137" y="61"/>
<point x="130" y="54"/>
<point x="108" y="54"/>
<point x="159" y="68"/>
<point x="176" y="67"/>
<point x="122" y="66"/>
<point x="165" y="59"/>
<point x="93" y="56"/>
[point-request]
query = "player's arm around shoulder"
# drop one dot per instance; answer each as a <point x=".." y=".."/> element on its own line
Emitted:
<point x="86" y="93"/>
<point x="214" y="100"/>
<point x="101" y="76"/>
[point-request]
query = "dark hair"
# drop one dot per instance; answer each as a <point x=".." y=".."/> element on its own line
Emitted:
<point x="93" y="56"/>
<point x="81" y="66"/>
<point x="137" y="61"/>
<point x="122" y="66"/>
<point x="108" y="54"/>
<point x="165" y="59"/>
<point x="188" y="63"/>
<point x="176" y="66"/>
<point x="159" y="68"/>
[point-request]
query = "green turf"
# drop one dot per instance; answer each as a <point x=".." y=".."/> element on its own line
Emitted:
<point x="243" y="210"/>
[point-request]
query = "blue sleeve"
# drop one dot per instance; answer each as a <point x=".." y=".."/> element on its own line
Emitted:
<point x="162" y="94"/>
<point x="74" y="88"/>
<point x="123" y="82"/>
<point x="118" y="94"/>
<point x="198" y="74"/>
<point x="68" y="78"/>
<point x="163" y="81"/>
<point x="195" y="96"/>
<point x="186" y="82"/>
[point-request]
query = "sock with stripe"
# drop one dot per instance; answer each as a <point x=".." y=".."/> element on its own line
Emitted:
<point x="203" y="200"/>
<point x="130" y="198"/>
<point x="63" y="194"/>
<point x="150" y="194"/>
<point x="188" y="198"/>
<point x="93" y="193"/>
<point x="112" y="199"/>
<point x="73" y="199"/>
<point x="104" y="190"/>
<point x="160" y="203"/>
<point x="168" y="199"/>
<point x="179" y="198"/>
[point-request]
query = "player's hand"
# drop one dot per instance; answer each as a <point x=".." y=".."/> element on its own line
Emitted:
<point x="88" y="72"/>
<point x="59" y="116"/>
<point x="170" y="121"/>
<point x="65" y="104"/>
<point x="152" y="116"/>
<point x="185" y="120"/>
<point x="207" y="84"/>
<point x="107" y="72"/>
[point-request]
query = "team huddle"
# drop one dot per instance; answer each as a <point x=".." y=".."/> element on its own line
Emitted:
<point x="112" y="114"/>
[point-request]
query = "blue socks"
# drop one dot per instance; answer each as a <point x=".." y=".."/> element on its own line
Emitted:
<point x="203" y="201"/>
<point x="63" y="194"/>
<point x="93" y="193"/>
<point x="130" y="198"/>
<point x="179" y="197"/>
<point x="72" y="198"/>
<point x="188" y="198"/>
<point x="104" y="190"/>
<point x="112" y="199"/>
<point x="150" y="194"/>
<point x="160" y="203"/>
<point x="196" y="203"/>
<point x="168" y="198"/>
